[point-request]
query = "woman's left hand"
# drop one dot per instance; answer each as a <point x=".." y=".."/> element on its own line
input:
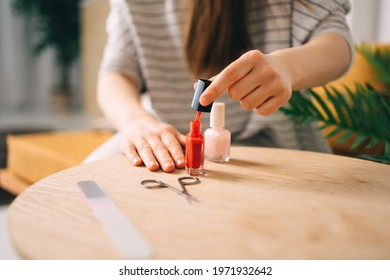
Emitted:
<point x="261" y="82"/>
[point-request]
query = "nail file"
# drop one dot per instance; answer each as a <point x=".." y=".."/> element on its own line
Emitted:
<point x="125" y="237"/>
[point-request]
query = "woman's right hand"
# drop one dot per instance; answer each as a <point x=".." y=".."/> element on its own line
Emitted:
<point x="146" y="140"/>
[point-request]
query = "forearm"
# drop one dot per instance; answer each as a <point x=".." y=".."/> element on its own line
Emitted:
<point x="144" y="138"/>
<point x="118" y="97"/>
<point x="319" y="61"/>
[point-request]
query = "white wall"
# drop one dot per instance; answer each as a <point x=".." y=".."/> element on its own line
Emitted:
<point x="384" y="21"/>
<point x="370" y="21"/>
<point x="13" y="58"/>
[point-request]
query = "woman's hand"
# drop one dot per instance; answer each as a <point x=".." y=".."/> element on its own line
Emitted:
<point x="145" y="140"/>
<point x="264" y="82"/>
<point x="260" y="82"/>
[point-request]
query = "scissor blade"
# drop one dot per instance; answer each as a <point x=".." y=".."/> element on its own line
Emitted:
<point x="188" y="196"/>
<point x="190" y="199"/>
<point x="174" y="190"/>
<point x="183" y="193"/>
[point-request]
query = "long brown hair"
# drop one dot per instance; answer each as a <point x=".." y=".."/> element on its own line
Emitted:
<point x="216" y="35"/>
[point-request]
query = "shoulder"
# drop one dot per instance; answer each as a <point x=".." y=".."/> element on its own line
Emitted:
<point x="323" y="6"/>
<point x="138" y="6"/>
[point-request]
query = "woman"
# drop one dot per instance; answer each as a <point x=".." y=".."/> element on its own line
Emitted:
<point x="256" y="53"/>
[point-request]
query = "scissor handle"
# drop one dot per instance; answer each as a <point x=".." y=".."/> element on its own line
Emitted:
<point x="188" y="180"/>
<point x="153" y="184"/>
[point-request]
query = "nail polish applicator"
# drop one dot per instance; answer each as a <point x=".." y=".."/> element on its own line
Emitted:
<point x="194" y="139"/>
<point x="201" y="86"/>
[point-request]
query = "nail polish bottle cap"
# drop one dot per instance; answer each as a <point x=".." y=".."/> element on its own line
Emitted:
<point x="217" y="117"/>
<point x="200" y="88"/>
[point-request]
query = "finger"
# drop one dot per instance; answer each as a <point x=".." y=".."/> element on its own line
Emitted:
<point x="254" y="99"/>
<point x="230" y="75"/>
<point x="145" y="151"/>
<point x="174" y="149"/>
<point x="268" y="107"/>
<point x="259" y="95"/>
<point x="131" y="154"/>
<point x="245" y="86"/>
<point x="161" y="153"/>
<point x="181" y="138"/>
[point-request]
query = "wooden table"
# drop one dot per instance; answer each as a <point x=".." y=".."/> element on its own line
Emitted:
<point x="263" y="204"/>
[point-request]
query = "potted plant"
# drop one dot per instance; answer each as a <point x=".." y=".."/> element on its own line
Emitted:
<point x="359" y="114"/>
<point x="57" y="24"/>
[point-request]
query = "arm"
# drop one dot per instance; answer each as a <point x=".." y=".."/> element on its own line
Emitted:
<point x="264" y="82"/>
<point x="145" y="140"/>
<point x="118" y="97"/>
<point x="319" y="61"/>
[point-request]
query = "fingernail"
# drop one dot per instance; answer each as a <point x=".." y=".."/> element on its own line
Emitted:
<point x="134" y="160"/>
<point x="167" y="164"/>
<point x="180" y="162"/>
<point x="152" y="163"/>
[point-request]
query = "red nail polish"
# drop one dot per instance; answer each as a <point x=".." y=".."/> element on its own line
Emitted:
<point x="194" y="139"/>
<point x="198" y="114"/>
<point x="194" y="149"/>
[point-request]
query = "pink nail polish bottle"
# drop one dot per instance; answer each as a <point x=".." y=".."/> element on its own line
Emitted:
<point x="217" y="138"/>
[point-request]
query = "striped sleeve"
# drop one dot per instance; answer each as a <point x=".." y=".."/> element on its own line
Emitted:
<point x="314" y="17"/>
<point x="120" y="54"/>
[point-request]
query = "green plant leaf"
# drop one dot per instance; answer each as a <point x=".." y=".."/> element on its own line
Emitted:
<point x="379" y="59"/>
<point x="387" y="149"/>
<point x="345" y="136"/>
<point x="334" y="132"/>
<point x="321" y="102"/>
<point x="377" y="158"/>
<point x="338" y="106"/>
<point x="358" y="141"/>
<point x="372" y="143"/>
<point x="364" y="112"/>
<point x="340" y="99"/>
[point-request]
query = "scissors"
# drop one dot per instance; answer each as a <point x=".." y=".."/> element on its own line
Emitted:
<point x="183" y="181"/>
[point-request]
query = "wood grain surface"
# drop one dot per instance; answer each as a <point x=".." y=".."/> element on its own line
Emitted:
<point x="263" y="204"/>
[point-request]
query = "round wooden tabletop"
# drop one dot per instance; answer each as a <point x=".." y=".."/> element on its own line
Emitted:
<point x="263" y="204"/>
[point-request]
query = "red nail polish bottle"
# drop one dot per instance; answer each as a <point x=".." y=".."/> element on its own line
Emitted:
<point x="194" y="150"/>
<point x="194" y="139"/>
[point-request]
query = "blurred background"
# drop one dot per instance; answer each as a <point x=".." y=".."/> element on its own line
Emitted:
<point x="50" y="52"/>
<point x="49" y="57"/>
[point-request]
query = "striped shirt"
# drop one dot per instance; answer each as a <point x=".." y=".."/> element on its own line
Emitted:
<point x="145" y="44"/>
